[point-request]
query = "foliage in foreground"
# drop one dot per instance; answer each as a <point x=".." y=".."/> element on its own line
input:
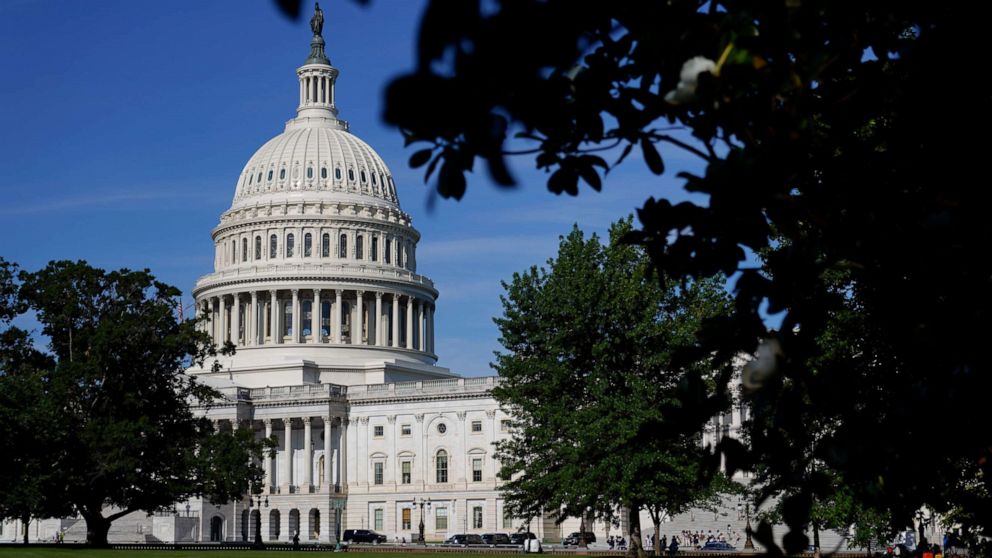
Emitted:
<point x="587" y="375"/>
<point x="102" y="423"/>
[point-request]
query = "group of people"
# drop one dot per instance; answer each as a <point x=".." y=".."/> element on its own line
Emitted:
<point x="616" y="543"/>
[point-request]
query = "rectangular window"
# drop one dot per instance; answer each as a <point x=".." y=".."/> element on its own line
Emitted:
<point x="504" y="425"/>
<point x="476" y="426"/>
<point x="377" y="431"/>
<point x="405" y="430"/>
<point x="477" y="517"/>
<point x="441" y="519"/>
<point x="377" y="467"/>
<point x="406" y="519"/>
<point x="405" y="471"/>
<point x="507" y="521"/>
<point x="476" y="470"/>
<point x="375" y="248"/>
<point x="378" y="519"/>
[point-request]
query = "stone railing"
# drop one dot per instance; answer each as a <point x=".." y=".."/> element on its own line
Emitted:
<point x="307" y="391"/>
<point x="426" y="387"/>
<point x="348" y="270"/>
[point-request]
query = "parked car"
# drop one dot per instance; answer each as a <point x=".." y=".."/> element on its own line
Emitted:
<point x="493" y="539"/>
<point x="519" y="538"/>
<point x="464" y="540"/>
<point x="719" y="546"/>
<point x="573" y="539"/>
<point x="363" y="536"/>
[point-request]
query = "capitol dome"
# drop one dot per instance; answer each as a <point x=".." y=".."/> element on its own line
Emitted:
<point x="315" y="268"/>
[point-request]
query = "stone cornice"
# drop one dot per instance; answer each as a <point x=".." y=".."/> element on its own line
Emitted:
<point x="329" y="281"/>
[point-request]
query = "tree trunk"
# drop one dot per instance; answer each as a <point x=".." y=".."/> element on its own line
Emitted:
<point x="657" y="535"/>
<point x="816" y="536"/>
<point x="97" y="528"/>
<point x="635" y="547"/>
<point x="26" y="522"/>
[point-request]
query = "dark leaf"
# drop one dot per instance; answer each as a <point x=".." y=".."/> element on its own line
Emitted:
<point x="651" y="156"/>
<point x="420" y="158"/>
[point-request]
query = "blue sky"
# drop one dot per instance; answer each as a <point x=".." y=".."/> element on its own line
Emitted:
<point x="124" y="126"/>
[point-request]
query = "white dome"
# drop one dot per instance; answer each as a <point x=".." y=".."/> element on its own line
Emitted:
<point x="316" y="159"/>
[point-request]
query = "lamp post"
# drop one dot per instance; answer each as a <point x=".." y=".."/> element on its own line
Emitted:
<point x="258" y="518"/>
<point x="423" y="541"/>
<point x="748" y="543"/>
<point x="582" y="531"/>
<point x="187" y="509"/>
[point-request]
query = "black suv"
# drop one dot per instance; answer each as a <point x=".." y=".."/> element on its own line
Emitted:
<point x="573" y="539"/>
<point x="363" y="536"/>
<point x="519" y="538"/>
<point x="493" y="539"/>
<point x="464" y="540"/>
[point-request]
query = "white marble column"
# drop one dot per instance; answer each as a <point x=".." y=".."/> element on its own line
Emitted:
<point x="213" y="320"/>
<point x="253" y="323"/>
<point x="315" y="309"/>
<point x="273" y="318"/>
<point x="409" y="322"/>
<point x="396" y="320"/>
<point x="287" y="475"/>
<point x="421" y="346"/>
<point x="342" y="460"/>
<point x="307" y="457"/>
<point x="236" y="319"/>
<point x="378" y="319"/>
<point x="356" y="332"/>
<point x="328" y="464"/>
<point x="336" y="326"/>
<point x="296" y="337"/>
<point x="223" y="320"/>
<point x="267" y="457"/>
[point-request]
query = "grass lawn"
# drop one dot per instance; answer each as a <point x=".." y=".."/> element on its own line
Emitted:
<point x="12" y="551"/>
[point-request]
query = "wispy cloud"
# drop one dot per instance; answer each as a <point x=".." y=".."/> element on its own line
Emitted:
<point x="100" y="199"/>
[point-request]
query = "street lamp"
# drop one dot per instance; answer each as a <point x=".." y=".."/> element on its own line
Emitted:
<point x="423" y="541"/>
<point x="748" y="543"/>
<point x="582" y="531"/>
<point x="258" y="518"/>
<point x="187" y="509"/>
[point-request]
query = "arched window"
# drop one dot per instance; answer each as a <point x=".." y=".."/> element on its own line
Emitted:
<point x="373" y="179"/>
<point x="351" y="175"/>
<point x="325" y="246"/>
<point x="273" y="246"/>
<point x="250" y="177"/>
<point x="234" y="251"/>
<point x="307" y="245"/>
<point x="290" y="244"/>
<point x="358" y="247"/>
<point x="374" y="249"/>
<point x="282" y="174"/>
<point x="441" y="466"/>
<point x="323" y="172"/>
<point x="386" y="251"/>
<point x="244" y="249"/>
<point x="259" y="176"/>
<point x="364" y="177"/>
<point x="270" y="175"/>
<point x="309" y="172"/>
<point x="337" y="174"/>
<point x="258" y="248"/>
<point x="343" y="246"/>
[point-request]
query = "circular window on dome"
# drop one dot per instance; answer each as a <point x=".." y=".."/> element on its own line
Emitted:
<point x="442" y="428"/>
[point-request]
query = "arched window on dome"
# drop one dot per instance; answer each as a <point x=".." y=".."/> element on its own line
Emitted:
<point x="364" y="177"/>
<point x="441" y="466"/>
<point x="325" y="246"/>
<point x="290" y="245"/>
<point x="273" y="247"/>
<point x="337" y="174"/>
<point x="359" y="255"/>
<point x="351" y="175"/>
<point x="270" y="175"/>
<point x="244" y="249"/>
<point x="258" y="248"/>
<point x="374" y="249"/>
<point x="250" y="176"/>
<point x="373" y="179"/>
<point x="386" y="251"/>
<point x="282" y="174"/>
<point x="259" y="179"/>
<point x="307" y="245"/>
<point x="343" y="246"/>
<point x="323" y="172"/>
<point x="309" y="172"/>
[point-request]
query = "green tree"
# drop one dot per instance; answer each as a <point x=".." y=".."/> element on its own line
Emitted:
<point x="114" y="391"/>
<point x="587" y="375"/>
<point x="827" y="124"/>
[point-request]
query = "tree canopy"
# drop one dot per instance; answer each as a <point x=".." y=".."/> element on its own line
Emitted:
<point x="103" y="423"/>
<point x="587" y="376"/>
<point x="837" y="140"/>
